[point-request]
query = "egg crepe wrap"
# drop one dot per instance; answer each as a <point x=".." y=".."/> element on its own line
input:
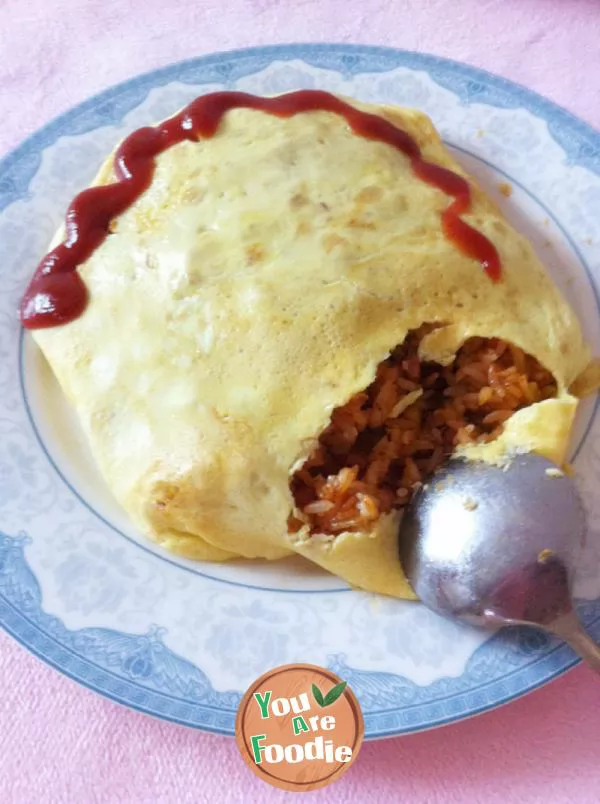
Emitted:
<point x="253" y="289"/>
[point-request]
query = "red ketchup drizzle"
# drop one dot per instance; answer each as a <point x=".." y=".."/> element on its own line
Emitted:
<point x="57" y="294"/>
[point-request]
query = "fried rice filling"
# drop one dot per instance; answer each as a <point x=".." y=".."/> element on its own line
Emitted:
<point x="390" y="438"/>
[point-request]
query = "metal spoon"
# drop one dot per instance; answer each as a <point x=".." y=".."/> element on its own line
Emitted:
<point x="497" y="547"/>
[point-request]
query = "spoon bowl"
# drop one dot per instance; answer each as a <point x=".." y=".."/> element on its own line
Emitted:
<point x="496" y="546"/>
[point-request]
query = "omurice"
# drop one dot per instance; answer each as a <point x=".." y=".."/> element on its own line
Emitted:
<point x="276" y="317"/>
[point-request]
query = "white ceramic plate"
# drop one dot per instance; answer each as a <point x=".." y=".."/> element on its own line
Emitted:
<point x="89" y="595"/>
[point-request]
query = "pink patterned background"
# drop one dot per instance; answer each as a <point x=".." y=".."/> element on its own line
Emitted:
<point x="60" y="743"/>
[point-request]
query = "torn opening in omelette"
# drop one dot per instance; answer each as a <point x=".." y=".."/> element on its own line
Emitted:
<point x="391" y="437"/>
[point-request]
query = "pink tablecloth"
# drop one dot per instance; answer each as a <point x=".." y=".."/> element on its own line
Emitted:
<point x="59" y="743"/>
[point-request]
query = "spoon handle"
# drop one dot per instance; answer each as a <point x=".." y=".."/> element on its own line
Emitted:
<point x="569" y="629"/>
